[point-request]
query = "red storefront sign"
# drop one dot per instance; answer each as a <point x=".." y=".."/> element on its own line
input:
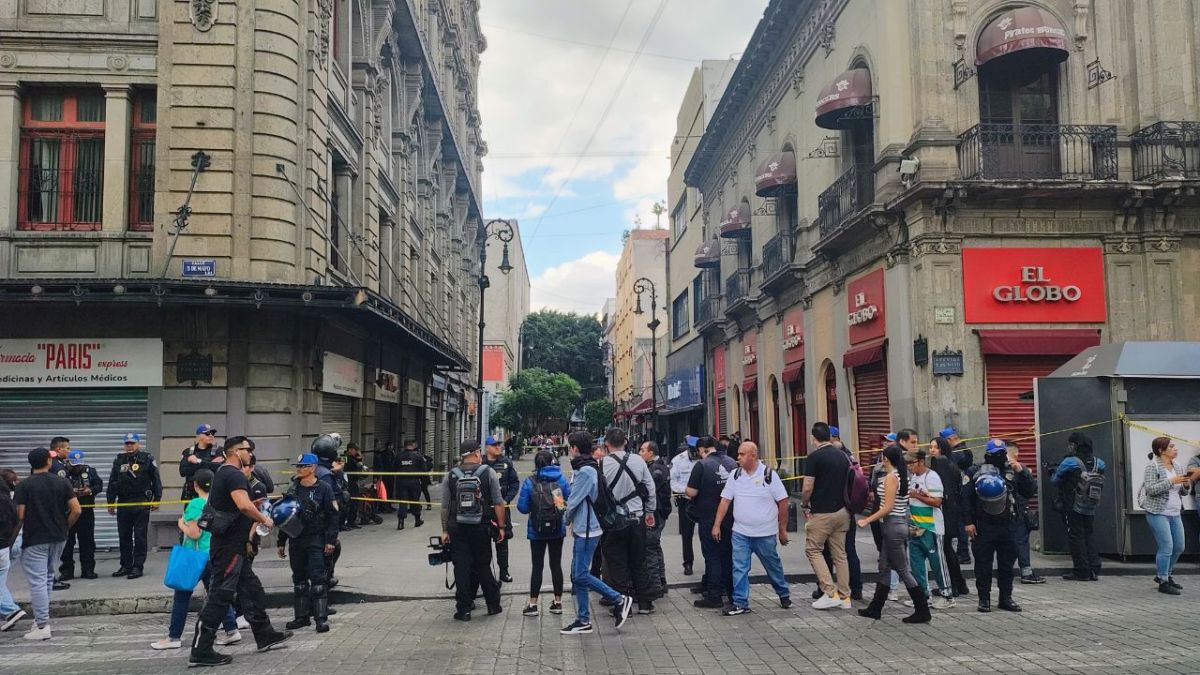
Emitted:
<point x="718" y="374"/>
<point x="1033" y="285"/>
<point x="750" y="355"/>
<point x="865" y="308"/>
<point x="793" y="337"/>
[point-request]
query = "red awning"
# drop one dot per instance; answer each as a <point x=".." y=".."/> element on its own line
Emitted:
<point x="749" y="384"/>
<point x="863" y="354"/>
<point x="644" y="406"/>
<point x="776" y="176"/>
<point x="792" y="372"/>
<point x="1054" y="342"/>
<point x="1021" y="30"/>
<point x="708" y="254"/>
<point x="736" y="223"/>
<point x="842" y="99"/>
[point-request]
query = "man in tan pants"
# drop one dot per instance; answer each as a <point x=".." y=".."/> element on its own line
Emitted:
<point x="824" y="504"/>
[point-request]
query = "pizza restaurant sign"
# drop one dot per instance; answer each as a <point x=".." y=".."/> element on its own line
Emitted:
<point x="83" y="362"/>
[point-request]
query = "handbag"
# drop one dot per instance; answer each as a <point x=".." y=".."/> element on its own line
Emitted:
<point x="185" y="567"/>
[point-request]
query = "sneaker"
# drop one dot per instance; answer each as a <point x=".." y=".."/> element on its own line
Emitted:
<point x="648" y="609"/>
<point x="43" y="632"/>
<point x="941" y="602"/>
<point x="556" y="608"/>
<point x="1171" y="581"/>
<point x="530" y="610"/>
<point x="827" y="602"/>
<point x="212" y="658"/>
<point x="1164" y="587"/>
<point x="273" y="640"/>
<point x="12" y="619"/>
<point x="785" y="602"/>
<point x="165" y="643"/>
<point x="736" y="611"/>
<point x="59" y="585"/>
<point x="576" y="628"/>
<point x="242" y="623"/>
<point x="622" y="610"/>
<point x="231" y="637"/>
<point x="907" y="602"/>
<point x="893" y="597"/>
<point x="1032" y="579"/>
<point x="846" y="604"/>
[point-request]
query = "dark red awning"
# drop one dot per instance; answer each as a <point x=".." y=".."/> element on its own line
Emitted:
<point x="1053" y="342"/>
<point x="792" y="372"/>
<point x="1020" y="30"/>
<point x="736" y="223"/>
<point x="840" y="99"/>
<point x="709" y="254"/>
<point x="749" y="384"/>
<point x="776" y="176"/>
<point x="641" y="407"/>
<point x="863" y="354"/>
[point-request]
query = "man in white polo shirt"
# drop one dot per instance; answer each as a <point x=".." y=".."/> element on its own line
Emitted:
<point x="759" y="521"/>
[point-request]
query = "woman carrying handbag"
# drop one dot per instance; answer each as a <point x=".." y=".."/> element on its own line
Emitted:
<point x="183" y="561"/>
<point x="1163" y="486"/>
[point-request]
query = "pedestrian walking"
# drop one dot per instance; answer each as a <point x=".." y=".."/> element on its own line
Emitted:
<point x="952" y="507"/>
<point x="1164" y="485"/>
<point x="86" y="484"/>
<point x="1080" y="481"/>
<point x="660" y="472"/>
<point x="759" y="526"/>
<point x="473" y="514"/>
<point x="10" y="526"/>
<point x="307" y="536"/>
<point x="544" y="498"/>
<point x="47" y="508"/>
<point x="135" y="487"/>
<point x="629" y="480"/>
<point x="991" y="508"/>
<point x="681" y="470"/>
<point x="203" y="454"/>
<point x="510" y="484"/>
<point x="704" y="489"/>
<point x="409" y="462"/>
<point x="824" y="504"/>
<point x="927" y="525"/>
<point x="835" y="437"/>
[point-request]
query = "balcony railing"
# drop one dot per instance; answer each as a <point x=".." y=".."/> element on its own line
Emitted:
<point x="777" y="255"/>
<point x="1166" y="150"/>
<point x="849" y="194"/>
<point x="737" y="287"/>
<point x="1006" y="151"/>
<point x="708" y="312"/>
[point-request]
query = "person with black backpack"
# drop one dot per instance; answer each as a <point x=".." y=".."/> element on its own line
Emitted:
<point x="628" y="478"/>
<point x="472" y="515"/>
<point x="1080" y="481"/>
<point x="544" y="498"/>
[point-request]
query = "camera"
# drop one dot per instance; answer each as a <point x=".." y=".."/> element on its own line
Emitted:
<point x="441" y="552"/>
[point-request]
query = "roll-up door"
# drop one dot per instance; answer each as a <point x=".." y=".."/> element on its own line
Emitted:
<point x="871" y="408"/>
<point x="384" y="423"/>
<point x="94" y="419"/>
<point x="722" y="416"/>
<point x="337" y="415"/>
<point x="412" y="423"/>
<point x="1009" y="416"/>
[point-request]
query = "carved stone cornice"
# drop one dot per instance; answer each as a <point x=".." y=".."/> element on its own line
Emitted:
<point x="936" y="244"/>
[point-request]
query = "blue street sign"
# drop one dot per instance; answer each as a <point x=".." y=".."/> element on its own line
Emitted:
<point x="199" y="268"/>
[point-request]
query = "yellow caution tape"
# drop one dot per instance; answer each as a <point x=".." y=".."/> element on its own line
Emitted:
<point x="1160" y="432"/>
<point x="121" y="504"/>
<point x="404" y="501"/>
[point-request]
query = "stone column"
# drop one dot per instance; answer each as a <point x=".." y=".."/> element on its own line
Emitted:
<point x="10" y="148"/>
<point x="117" y="117"/>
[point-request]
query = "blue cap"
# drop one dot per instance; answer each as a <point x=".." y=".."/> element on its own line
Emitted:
<point x="133" y="438"/>
<point x="890" y="438"/>
<point x="948" y="432"/>
<point x="491" y="440"/>
<point x="75" y="455"/>
<point x="307" y="459"/>
<point x="691" y="440"/>
<point x="996" y="445"/>
<point x="205" y="428"/>
<point x="835" y="432"/>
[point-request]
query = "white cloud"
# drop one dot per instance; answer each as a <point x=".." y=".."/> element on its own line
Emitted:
<point x="579" y="285"/>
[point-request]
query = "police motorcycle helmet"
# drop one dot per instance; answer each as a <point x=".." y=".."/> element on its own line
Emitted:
<point x="992" y="492"/>
<point x="286" y="514"/>
<point x="326" y="446"/>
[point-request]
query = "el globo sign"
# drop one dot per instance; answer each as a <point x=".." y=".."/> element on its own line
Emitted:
<point x="1033" y="285"/>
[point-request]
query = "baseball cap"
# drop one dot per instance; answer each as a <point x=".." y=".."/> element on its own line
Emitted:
<point x="206" y="429"/>
<point x="467" y="447"/>
<point x="492" y="440"/>
<point x="835" y="432"/>
<point x="133" y="438"/>
<point x="75" y="455"/>
<point x="306" y="459"/>
<point x="948" y="432"/>
<point x="691" y="440"/>
<point x="890" y="438"/>
<point x="996" y="445"/>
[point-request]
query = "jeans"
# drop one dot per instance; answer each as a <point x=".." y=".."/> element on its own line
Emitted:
<point x="38" y="562"/>
<point x="1020" y="530"/>
<point x="766" y="548"/>
<point x="179" y="611"/>
<point x="7" y="604"/>
<point x="925" y="555"/>
<point x="1168" y="534"/>
<point x="537" y="550"/>
<point x="582" y="580"/>
<point x="718" y="562"/>
<point x="1082" y="544"/>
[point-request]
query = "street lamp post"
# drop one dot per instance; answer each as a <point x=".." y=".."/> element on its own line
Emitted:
<point x="502" y="230"/>
<point x="641" y="286"/>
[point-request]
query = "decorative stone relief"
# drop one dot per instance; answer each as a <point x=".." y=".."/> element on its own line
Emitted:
<point x="324" y="17"/>
<point x="7" y="60"/>
<point x="1082" y="8"/>
<point x="939" y="246"/>
<point x="797" y="84"/>
<point x="959" y="8"/>
<point x="1164" y="245"/>
<point x="203" y="13"/>
<point x="826" y="39"/>
<point x="117" y="62"/>
<point x="1123" y="245"/>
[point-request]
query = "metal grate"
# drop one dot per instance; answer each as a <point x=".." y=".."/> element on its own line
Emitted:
<point x="1012" y="151"/>
<point x="850" y="193"/>
<point x="1166" y="151"/>
<point x="61" y="180"/>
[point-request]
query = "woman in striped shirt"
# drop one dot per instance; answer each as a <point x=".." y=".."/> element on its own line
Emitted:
<point x="892" y="497"/>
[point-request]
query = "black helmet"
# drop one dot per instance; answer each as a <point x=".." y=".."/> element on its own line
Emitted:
<point x="325" y="447"/>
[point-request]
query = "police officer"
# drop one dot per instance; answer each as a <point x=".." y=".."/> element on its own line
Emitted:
<point x="991" y="500"/>
<point x="470" y="501"/>
<point x="308" y="539"/>
<point x="204" y="454"/>
<point x="408" y="488"/>
<point x="87" y="484"/>
<point x="704" y="488"/>
<point x="325" y="447"/>
<point x="425" y="480"/>
<point x="60" y="448"/>
<point x="510" y="485"/>
<point x="134" y="480"/>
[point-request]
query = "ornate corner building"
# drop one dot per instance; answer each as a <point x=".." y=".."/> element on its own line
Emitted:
<point x="911" y="210"/>
<point x="264" y="216"/>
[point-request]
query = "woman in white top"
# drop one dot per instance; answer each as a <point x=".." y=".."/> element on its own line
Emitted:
<point x="892" y="497"/>
<point x="1161" y="497"/>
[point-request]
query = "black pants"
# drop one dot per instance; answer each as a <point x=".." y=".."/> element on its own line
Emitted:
<point x="471" y="553"/>
<point x="133" y="522"/>
<point x="687" y="530"/>
<point x="1084" y="558"/>
<point x="84" y="531"/>
<point x="232" y="576"/>
<point x="425" y="491"/>
<point x="408" y="491"/>
<point x="598" y="560"/>
<point x="331" y="561"/>
<point x="950" y="556"/>
<point x="307" y="560"/>
<point x="994" y="540"/>
<point x="852" y="560"/>
<point x="537" y="549"/>
<point x="502" y="550"/>
<point x="625" y="556"/>
<point x="718" y="562"/>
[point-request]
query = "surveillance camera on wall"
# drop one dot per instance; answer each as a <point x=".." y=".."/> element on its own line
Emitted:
<point x="909" y="168"/>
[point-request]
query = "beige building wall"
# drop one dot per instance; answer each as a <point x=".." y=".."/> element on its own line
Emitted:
<point x="643" y="256"/>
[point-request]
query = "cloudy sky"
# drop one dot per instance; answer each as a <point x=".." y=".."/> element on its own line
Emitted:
<point x="578" y="100"/>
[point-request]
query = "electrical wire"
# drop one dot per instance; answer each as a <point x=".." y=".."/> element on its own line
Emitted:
<point x="590" y="44"/>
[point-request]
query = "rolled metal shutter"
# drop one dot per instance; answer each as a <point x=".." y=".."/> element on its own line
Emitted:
<point x="384" y="414"/>
<point x="411" y="423"/>
<point x="94" y="419"/>
<point x="722" y="416"/>
<point x="1009" y="417"/>
<point x="872" y="410"/>
<point x="337" y="415"/>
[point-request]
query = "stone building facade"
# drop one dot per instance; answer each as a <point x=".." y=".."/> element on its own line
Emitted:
<point x="923" y="206"/>
<point x="325" y="157"/>
<point x="643" y="256"/>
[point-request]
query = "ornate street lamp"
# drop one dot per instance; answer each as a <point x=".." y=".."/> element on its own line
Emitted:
<point x="502" y="230"/>
<point x="641" y="286"/>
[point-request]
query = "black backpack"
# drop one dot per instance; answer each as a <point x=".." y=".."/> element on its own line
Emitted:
<point x="546" y="508"/>
<point x="610" y="511"/>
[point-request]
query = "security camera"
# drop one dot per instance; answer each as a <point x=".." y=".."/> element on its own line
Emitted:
<point x="909" y="168"/>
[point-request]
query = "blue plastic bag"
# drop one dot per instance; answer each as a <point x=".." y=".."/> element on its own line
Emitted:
<point x="184" y="568"/>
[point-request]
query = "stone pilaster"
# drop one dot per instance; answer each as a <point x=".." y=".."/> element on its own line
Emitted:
<point x="10" y="146"/>
<point x="118" y="110"/>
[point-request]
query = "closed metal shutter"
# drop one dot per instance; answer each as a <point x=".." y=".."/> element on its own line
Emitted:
<point x="94" y="419"/>
<point x="872" y="410"/>
<point x="1009" y="417"/>
<point x="384" y="415"/>
<point x="412" y="423"/>
<point x="722" y="416"/>
<point x="337" y="415"/>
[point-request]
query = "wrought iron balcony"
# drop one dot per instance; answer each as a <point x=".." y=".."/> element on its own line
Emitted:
<point x="1007" y="151"/>
<point x="1166" y="151"/>
<point x="777" y="255"/>
<point x="850" y="193"/>
<point x="738" y="288"/>
<point x="709" y="313"/>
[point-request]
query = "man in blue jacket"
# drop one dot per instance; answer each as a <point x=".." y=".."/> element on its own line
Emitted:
<point x="1079" y="478"/>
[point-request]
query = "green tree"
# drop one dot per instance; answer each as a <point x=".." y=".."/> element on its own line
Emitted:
<point x="567" y="343"/>
<point x="598" y="414"/>
<point x="535" y="397"/>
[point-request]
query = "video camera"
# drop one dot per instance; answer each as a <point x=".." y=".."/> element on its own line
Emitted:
<point x="441" y="552"/>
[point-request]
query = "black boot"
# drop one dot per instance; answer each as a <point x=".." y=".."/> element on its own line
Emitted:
<point x="400" y="525"/>
<point x="985" y="603"/>
<point x="419" y="521"/>
<point x="320" y="607"/>
<point x="920" y="606"/>
<point x="1007" y="604"/>
<point x="875" y="609"/>
<point x="202" y="653"/>
<point x="301" y="605"/>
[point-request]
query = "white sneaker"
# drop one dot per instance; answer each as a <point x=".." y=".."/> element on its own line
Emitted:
<point x="242" y="623"/>
<point x="12" y="619"/>
<point x="229" y="638"/>
<point x="846" y="603"/>
<point x="36" y="633"/>
<point x="941" y="602"/>
<point x="893" y="597"/>
<point x="827" y="602"/>
<point x="907" y="602"/>
<point x="166" y="643"/>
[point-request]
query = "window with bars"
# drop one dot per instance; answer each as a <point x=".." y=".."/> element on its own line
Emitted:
<point x="141" y="162"/>
<point x="61" y="162"/>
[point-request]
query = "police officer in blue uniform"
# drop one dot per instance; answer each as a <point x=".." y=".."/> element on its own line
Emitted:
<point x="990" y="509"/>
<point x="87" y="484"/>
<point x="408" y="487"/>
<point x="510" y="485"/>
<point x="325" y="447"/>
<point x="308" y="536"/>
<point x="134" y="480"/>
